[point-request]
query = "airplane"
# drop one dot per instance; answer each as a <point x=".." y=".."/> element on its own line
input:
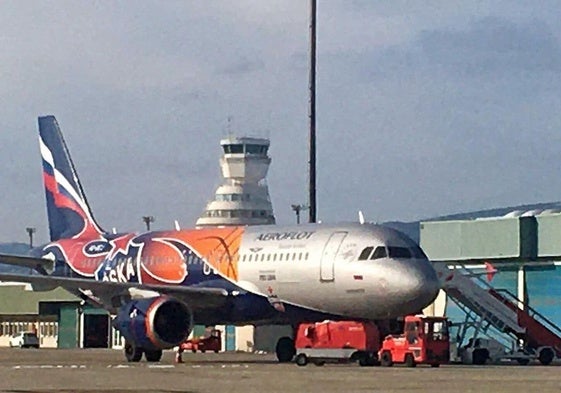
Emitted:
<point x="158" y="284"/>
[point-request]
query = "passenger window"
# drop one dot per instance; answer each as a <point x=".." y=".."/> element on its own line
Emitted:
<point x="379" y="252"/>
<point x="399" y="252"/>
<point x="365" y="253"/>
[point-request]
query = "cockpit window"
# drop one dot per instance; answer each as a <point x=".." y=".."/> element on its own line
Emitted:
<point x="399" y="252"/>
<point x="379" y="252"/>
<point x="365" y="253"/>
<point x="419" y="253"/>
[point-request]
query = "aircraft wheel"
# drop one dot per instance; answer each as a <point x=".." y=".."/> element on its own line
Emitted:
<point x="285" y="349"/>
<point x="132" y="352"/>
<point x="410" y="360"/>
<point x="301" y="360"/>
<point x="153" y="356"/>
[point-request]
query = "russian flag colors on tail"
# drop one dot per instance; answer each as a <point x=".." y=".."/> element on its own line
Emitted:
<point x="67" y="208"/>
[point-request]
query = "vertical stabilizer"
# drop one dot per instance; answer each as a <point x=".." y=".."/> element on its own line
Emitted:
<point x="68" y="211"/>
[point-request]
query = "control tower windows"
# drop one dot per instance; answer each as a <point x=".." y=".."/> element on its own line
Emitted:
<point x="255" y="149"/>
<point x="232" y="197"/>
<point x="245" y="149"/>
<point x="236" y="213"/>
<point x="233" y="149"/>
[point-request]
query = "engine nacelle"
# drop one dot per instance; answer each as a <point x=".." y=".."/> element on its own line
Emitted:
<point x="154" y="323"/>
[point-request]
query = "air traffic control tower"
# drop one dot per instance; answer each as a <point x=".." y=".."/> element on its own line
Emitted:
<point x="243" y="198"/>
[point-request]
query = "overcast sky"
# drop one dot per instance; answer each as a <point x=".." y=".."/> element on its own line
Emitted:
<point x="423" y="107"/>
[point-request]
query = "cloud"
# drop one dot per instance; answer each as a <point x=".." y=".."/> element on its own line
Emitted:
<point x="244" y="66"/>
<point x="421" y="109"/>
<point x="493" y="46"/>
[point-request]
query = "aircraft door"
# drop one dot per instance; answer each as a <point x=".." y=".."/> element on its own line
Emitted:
<point x="327" y="263"/>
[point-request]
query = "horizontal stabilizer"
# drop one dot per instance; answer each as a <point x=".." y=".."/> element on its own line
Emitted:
<point x="41" y="265"/>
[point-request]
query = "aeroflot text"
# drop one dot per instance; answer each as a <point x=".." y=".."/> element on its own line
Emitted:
<point x="285" y="236"/>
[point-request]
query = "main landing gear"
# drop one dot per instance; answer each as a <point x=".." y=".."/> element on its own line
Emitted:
<point x="285" y="349"/>
<point x="134" y="353"/>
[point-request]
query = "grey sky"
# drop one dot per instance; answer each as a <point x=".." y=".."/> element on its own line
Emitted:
<point x="424" y="107"/>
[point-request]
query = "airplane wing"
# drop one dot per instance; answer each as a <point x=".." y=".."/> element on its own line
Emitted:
<point x="39" y="264"/>
<point x="196" y="298"/>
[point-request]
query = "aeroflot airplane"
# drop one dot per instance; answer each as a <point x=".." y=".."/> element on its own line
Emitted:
<point x="158" y="284"/>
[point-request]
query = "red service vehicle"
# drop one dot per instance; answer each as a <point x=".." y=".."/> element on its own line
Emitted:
<point x="425" y="341"/>
<point x="336" y="342"/>
<point x="212" y="342"/>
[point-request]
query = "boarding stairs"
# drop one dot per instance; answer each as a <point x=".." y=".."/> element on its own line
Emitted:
<point x="499" y="309"/>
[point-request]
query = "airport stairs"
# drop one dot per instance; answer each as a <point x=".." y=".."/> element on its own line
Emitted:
<point x="540" y="331"/>
<point x="498" y="308"/>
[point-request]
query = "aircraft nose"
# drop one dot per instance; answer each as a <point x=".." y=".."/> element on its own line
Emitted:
<point x="418" y="284"/>
<point x="421" y="283"/>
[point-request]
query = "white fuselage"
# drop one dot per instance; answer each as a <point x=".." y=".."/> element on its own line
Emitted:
<point x="320" y="267"/>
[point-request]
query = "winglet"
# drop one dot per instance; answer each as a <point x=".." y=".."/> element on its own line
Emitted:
<point x="360" y="217"/>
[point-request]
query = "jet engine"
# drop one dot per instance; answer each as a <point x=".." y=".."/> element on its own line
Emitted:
<point x="154" y="323"/>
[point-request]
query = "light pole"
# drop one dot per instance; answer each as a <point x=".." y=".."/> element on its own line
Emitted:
<point x="147" y="220"/>
<point x="30" y="232"/>
<point x="297" y="209"/>
<point x="312" y="162"/>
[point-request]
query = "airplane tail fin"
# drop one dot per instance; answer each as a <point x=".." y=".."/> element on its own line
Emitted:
<point x="68" y="211"/>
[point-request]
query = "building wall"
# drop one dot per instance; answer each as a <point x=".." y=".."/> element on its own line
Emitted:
<point x="46" y="331"/>
<point x="245" y="340"/>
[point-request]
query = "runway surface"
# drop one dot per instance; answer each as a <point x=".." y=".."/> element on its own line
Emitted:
<point x="103" y="371"/>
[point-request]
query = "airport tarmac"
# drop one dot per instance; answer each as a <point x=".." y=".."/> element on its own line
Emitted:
<point x="104" y="371"/>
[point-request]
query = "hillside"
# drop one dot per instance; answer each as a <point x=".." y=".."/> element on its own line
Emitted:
<point x="14" y="249"/>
